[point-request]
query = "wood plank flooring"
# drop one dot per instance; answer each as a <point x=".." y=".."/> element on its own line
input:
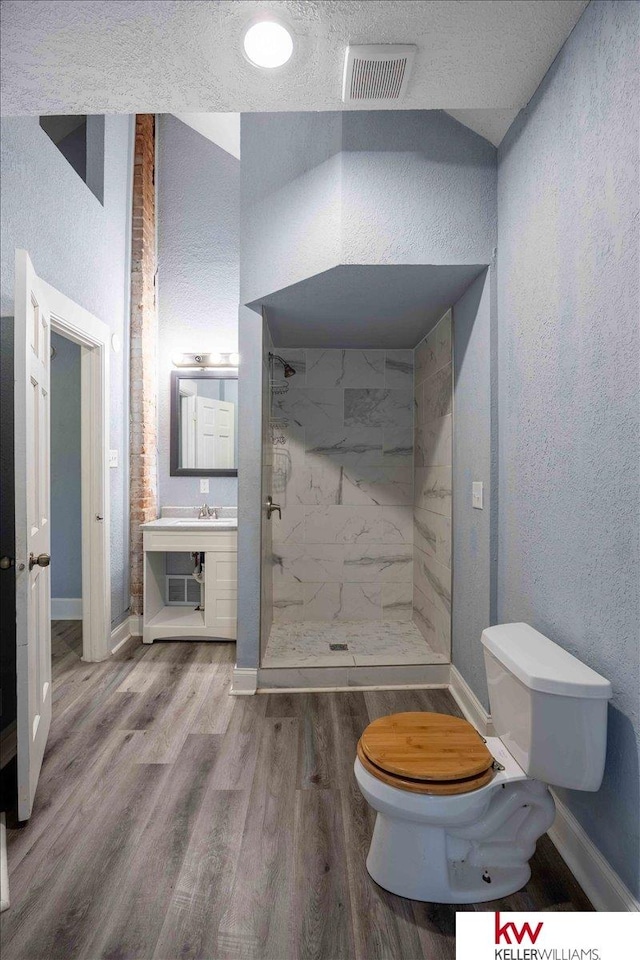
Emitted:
<point x="173" y="821"/>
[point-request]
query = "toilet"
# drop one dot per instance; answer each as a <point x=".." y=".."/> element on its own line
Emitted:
<point x="458" y="816"/>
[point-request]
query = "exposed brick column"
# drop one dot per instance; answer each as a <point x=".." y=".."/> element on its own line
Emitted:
<point x="143" y="344"/>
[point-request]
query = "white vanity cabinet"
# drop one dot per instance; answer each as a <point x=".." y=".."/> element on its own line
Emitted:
<point x="217" y="539"/>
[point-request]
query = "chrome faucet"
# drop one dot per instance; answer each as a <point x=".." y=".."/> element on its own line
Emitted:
<point x="206" y="511"/>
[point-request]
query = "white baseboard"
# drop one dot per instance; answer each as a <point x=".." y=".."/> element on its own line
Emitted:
<point x="66" y="608"/>
<point x="471" y="707"/>
<point x="120" y="635"/>
<point x="4" y="870"/>
<point x="245" y="681"/>
<point x="135" y="626"/>
<point x="593" y="872"/>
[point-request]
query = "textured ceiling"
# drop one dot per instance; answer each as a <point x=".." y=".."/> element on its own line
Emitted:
<point x="180" y="56"/>
<point x="366" y="307"/>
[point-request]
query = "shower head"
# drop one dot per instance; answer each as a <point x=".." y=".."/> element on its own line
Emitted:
<point x="289" y="371"/>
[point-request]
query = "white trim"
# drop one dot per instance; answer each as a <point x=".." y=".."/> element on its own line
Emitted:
<point x="4" y="869"/>
<point x="120" y="635"/>
<point x="351" y="689"/>
<point x="135" y="626"/>
<point x="471" y="707"/>
<point x="245" y="681"/>
<point x="66" y="608"/>
<point x="593" y="872"/>
<point x="77" y="324"/>
<point x="378" y="676"/>
<point x="8" y="743"/>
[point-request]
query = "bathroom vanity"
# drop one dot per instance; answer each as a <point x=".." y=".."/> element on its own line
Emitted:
<point x="216" y="541"/>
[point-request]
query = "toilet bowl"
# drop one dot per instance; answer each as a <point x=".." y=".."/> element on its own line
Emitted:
<point x="458" y="817"/>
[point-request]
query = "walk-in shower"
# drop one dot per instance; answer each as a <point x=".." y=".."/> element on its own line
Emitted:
<point x="360" y="463"/>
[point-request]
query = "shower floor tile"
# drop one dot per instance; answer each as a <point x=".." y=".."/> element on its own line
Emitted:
<point x="369" y="643"/>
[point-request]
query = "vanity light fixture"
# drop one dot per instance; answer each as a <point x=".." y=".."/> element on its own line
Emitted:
<point x="268" y="44"/>
<point x="207" y="360"/>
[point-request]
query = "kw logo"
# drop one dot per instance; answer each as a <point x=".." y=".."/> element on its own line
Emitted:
<point x="509" y="929"/>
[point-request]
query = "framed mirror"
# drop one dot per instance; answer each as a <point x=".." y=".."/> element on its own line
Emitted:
<point x="204" y="423"/>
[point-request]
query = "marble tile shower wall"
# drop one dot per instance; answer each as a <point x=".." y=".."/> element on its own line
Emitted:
<point x="343" y="549"/>
<point x="433" y="482"/>
<point x="266" y="580"/>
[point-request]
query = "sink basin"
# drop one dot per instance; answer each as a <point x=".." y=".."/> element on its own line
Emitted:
<point x="192" y="523"/>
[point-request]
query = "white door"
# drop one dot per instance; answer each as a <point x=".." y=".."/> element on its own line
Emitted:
<point x="187" y="429"/>
<point x="215" y="425"/>
<point x="205" y="433"/>
<point x="225" y="434"/>
<point x="32" y="325"/>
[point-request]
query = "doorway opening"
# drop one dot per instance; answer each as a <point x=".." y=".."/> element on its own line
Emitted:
<point x="66" y="500"/>
<point x="88" y="339"/>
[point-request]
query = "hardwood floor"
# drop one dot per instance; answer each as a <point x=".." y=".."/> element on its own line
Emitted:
<point x="173" y="821"/>
<point x="66" y="644"/>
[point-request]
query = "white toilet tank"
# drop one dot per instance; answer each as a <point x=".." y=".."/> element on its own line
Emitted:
<point x="547" y="707"/>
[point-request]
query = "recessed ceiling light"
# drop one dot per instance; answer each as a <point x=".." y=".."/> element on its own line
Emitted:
<point x="268" y="44"/>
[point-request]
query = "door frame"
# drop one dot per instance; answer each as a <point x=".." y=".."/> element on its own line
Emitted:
<point x="187" y="393"/>
<point x="93" y="336"/>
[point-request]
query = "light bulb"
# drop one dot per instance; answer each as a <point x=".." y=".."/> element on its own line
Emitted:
<point x="268" y="44"/>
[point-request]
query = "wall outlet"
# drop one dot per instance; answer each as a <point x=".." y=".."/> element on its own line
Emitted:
<point x="477" y="495"/>
<point x="113" y="459"/>
<point x="204" y="485"/>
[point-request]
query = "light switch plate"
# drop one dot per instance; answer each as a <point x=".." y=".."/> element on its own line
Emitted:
<point x="477" y="495"/>
<point x="204" y="485"/>
<point x="113" y="459"/>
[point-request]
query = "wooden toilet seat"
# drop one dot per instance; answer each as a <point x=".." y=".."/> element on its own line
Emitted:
<point x="429" y="753"/>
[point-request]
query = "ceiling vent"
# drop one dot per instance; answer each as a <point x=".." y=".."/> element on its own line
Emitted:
<point x="377" y="72"/>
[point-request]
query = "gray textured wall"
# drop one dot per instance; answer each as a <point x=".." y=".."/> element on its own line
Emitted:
<point x="417" y="187"/>
<point x="198" y="276"/>
<point x="250" y="512"/>
<point x="81" y="247"/>
<point x="291" y="187"/>
<point x="367" y="187"/>
<point x="472" y="461"/>
<point x="569" y="355"/>
<point x="66" y="519"/>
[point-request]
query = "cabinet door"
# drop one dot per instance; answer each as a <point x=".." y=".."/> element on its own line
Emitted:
<point x="221" y="594"/>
